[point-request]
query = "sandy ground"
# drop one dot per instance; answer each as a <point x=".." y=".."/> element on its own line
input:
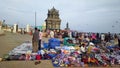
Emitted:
<point x="11" y="40"/>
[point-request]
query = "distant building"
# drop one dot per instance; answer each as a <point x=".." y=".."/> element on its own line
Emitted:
<point x="67" y="26"/>
<point x="0" y="23"/>
<point x="28" y="28"/>
<point x="15" y="28"/>
<point x="53" y="21"/>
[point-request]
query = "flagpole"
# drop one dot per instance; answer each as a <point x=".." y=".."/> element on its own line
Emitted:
<point x="35" y="19"/>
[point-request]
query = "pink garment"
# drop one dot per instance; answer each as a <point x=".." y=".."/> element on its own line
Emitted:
<point x="93" y="36"/>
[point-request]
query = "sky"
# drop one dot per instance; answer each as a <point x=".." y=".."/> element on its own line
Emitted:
<point x="82" y="15"/>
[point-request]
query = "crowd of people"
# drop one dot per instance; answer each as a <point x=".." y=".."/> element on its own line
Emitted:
<point x="90" y="37"/>
<point x="96" y="38"/>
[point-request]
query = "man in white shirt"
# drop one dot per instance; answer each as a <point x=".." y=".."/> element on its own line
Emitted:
<point x="102" y="37"/>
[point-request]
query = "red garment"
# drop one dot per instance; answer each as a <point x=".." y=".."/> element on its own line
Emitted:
<point x="38" y="57"/>
<point x="85" y="60"/>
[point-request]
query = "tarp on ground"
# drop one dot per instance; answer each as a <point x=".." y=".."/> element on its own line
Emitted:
<point x="22" y="49"/>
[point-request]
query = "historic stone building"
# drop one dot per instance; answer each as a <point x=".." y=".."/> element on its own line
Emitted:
<point x="53" y="21"/>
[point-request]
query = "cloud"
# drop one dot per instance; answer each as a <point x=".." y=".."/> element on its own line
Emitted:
<point x="78" y="12"/>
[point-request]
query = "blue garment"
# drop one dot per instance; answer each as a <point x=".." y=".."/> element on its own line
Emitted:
<point x="53" y="42"/>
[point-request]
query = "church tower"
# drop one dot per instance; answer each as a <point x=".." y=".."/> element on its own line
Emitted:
<point x="53" y="21"/>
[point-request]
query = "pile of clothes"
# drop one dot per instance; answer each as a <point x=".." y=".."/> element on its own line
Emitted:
<point x="76" y="57"/>
<point x="69" y="56"/>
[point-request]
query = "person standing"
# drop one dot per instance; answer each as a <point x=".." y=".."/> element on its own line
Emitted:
<point x="51" y="34"/>
<point x="35" y="40"/>
<point x="40" y="39"/>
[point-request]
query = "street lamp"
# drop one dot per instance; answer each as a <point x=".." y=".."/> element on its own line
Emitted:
<point x="118" y="23"/>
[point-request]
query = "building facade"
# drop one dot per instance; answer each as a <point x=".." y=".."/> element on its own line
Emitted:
<point x="53" y="21"/>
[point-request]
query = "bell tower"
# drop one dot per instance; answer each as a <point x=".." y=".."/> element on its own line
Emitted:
<point x="53" y="21"/>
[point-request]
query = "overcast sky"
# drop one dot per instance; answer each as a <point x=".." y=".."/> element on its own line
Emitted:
<point x="82" y="15"/>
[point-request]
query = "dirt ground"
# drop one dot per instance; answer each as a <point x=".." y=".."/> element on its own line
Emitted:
<point x="8" y="41"/>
